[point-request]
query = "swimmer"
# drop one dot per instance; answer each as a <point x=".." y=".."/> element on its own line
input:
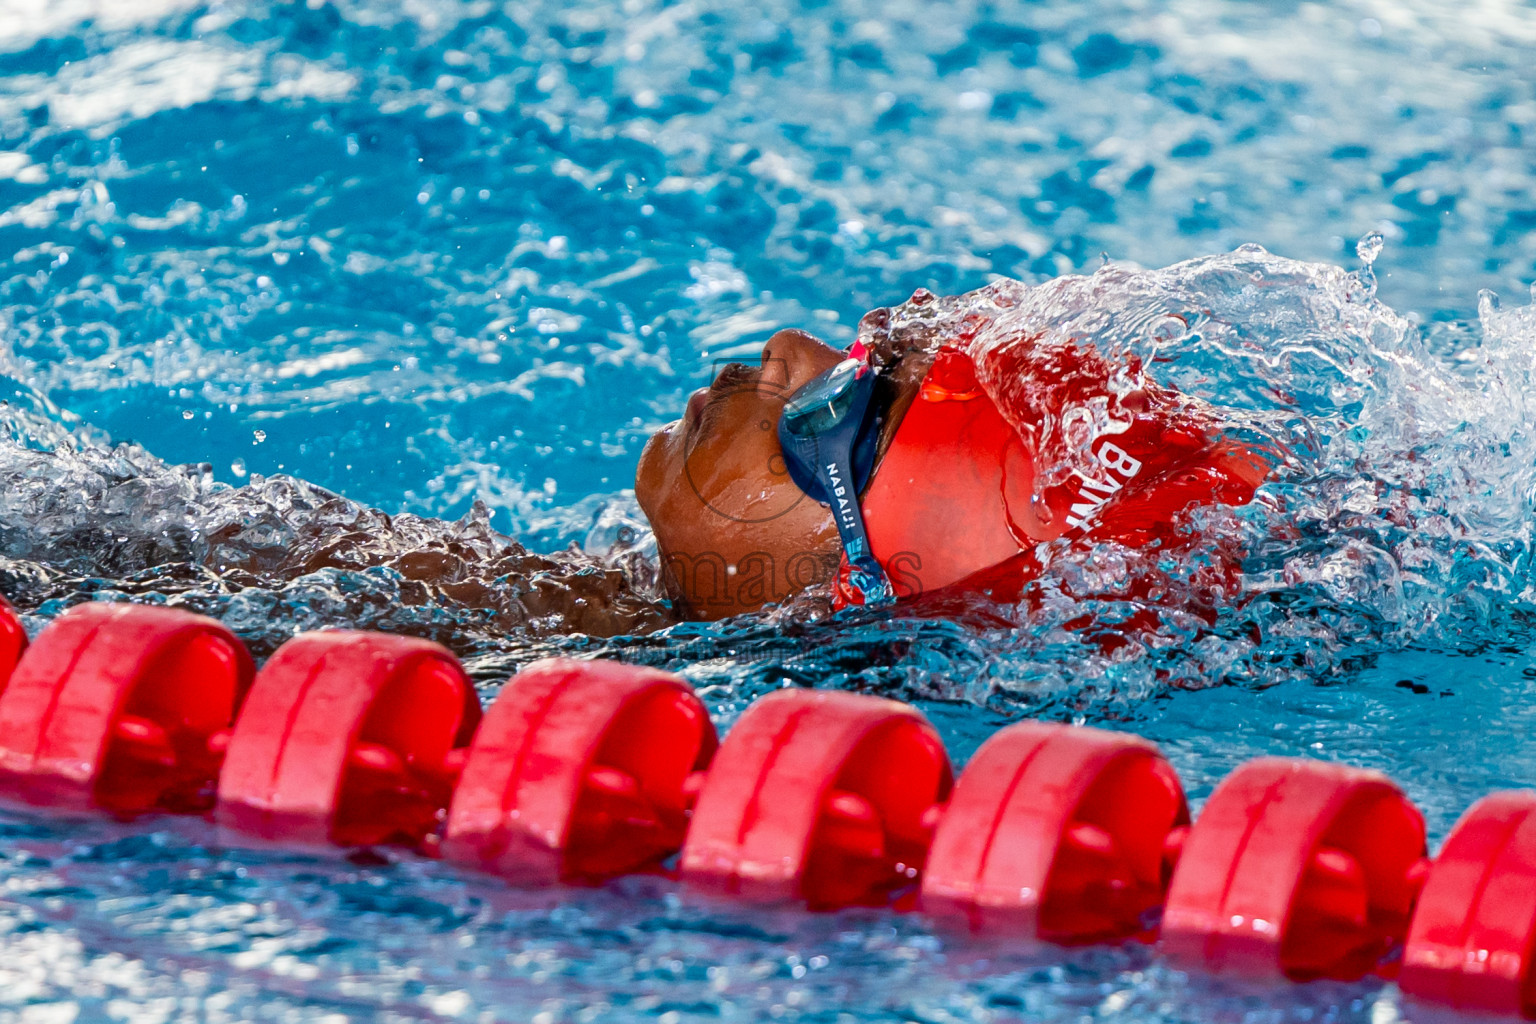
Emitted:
<point x="955" y="444"/>
<point x="930" y="459"/>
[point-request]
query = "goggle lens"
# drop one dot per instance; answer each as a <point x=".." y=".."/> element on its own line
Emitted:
<point x="824" y="402"/>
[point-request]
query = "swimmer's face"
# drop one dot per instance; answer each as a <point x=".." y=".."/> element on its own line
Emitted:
<point x="735" y="532"/>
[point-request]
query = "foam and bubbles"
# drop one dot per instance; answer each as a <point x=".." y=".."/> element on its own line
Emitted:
<point x="1399" y="511"/>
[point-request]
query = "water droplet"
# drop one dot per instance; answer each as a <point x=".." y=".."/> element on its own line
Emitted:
<point x="1369" y="247"/>
<point x="186" y="414"/>
<point x="258" y="436"/>
<point x="1366" y="278"/>
<point x="237" y="467"/>
<point x="1487" y="303"/>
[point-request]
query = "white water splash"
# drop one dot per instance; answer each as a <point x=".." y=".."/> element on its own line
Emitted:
<point x="1401" y="507"/>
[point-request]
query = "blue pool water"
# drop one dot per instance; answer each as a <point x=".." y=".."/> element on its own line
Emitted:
<point x="457" y="259"/>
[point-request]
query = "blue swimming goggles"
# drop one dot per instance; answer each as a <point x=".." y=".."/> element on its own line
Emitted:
<point x="829" y="433"/>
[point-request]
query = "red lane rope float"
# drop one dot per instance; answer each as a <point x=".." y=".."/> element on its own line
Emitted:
<point x="1470" y="946"/>
<point x="582" y="770"/>
<point x="819" y="796"/>
<point x="350" y="738"/>
<point x="1059" y="833"/>
<point x="1297" y="868"/>
<point x="13" y="640"/>
<point x="120" y="707"/>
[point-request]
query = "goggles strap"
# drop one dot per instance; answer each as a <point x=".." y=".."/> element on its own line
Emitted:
<point x="820" y="453"/>
<point x="866" y="580"/>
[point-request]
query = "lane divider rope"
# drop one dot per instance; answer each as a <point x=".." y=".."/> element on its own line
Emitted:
<point x="582" y="771"/>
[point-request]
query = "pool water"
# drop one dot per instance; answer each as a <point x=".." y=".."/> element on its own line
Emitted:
<point x="457" y="260"/>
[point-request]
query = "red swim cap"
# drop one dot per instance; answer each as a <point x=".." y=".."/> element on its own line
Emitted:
<point x="963" y="496"/>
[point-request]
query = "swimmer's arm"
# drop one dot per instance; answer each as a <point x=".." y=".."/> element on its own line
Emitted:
<point x="476" y="575"/>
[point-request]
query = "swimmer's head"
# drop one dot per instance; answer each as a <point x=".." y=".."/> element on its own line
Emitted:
<point x="735" y="532"/>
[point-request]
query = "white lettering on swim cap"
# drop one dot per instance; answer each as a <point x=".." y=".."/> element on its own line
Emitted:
<point x="1116" y="459"/>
